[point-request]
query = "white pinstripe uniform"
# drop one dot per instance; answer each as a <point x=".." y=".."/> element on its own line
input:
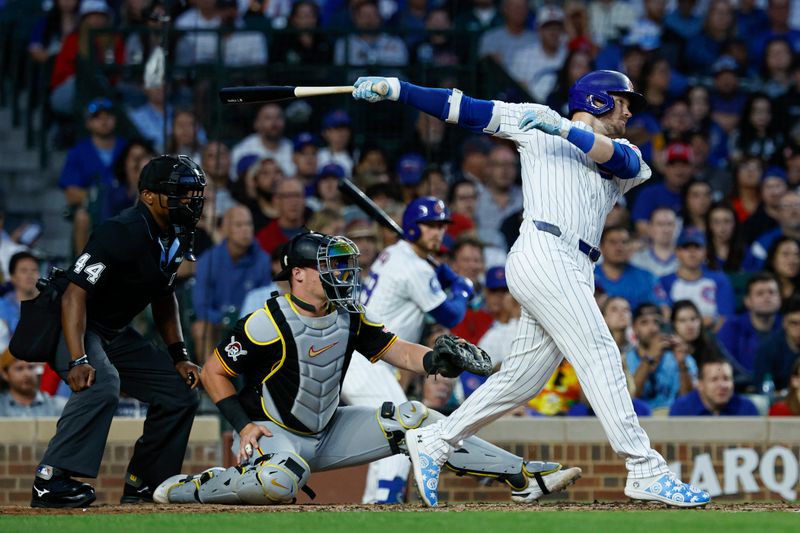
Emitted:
<point x="402" y="287"/>
<point x="554" y="283"/>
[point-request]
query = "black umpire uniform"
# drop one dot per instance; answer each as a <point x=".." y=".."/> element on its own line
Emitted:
<point x="130" y="262"/>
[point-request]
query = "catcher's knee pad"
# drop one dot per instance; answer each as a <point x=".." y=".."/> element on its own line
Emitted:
<point x="276" y="479"/>
<point x="396" y="420"/>
<point x="483" y="459"/>
<point x="220" y="487"/>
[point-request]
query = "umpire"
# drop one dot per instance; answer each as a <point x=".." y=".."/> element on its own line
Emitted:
<point x="130" y="261"/>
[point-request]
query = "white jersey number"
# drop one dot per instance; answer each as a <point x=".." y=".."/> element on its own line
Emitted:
<point x="92" y="271"/>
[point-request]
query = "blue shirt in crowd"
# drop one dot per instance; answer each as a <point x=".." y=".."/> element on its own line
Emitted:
<point x="691" y="405"/>
<point x="9" y="310"/>
<point x="656" y="195"/>
<point x="774" y="356"/>
<point x="757" y="253"/>
<point x="712" y="293"/>
<point x="635" y="285"/>
<point x="221" y="285"/>
<point x="662" y="386"/>
<point x="741" y="338"/>
<point x="85" y="165"/>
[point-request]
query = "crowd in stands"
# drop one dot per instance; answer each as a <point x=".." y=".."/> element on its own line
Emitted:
<point x="699" y="280"/>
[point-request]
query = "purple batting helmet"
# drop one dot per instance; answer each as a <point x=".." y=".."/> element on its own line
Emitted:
<point x="593" y="93"/>
<point x="425" y="209"/>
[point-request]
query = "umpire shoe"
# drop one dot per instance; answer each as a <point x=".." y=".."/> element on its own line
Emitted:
<point x="135" y="491"/>
<point x="544" y="478"/>
<point x="668" y="489"/>
<point x="53" y="488"/>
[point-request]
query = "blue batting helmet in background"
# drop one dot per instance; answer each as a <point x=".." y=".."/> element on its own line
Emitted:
<point x="426" y="209"/>
<point x="593" y="93"/>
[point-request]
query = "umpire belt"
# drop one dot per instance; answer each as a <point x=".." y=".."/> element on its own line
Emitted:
<point x="583" y="246"/>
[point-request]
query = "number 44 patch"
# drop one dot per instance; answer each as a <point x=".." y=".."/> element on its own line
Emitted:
<point x="92" y="271"/>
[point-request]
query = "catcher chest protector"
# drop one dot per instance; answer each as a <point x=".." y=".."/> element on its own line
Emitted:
<point x="302" y="394"/>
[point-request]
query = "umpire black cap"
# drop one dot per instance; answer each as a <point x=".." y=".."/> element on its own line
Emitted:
<point x="301" y="251"/>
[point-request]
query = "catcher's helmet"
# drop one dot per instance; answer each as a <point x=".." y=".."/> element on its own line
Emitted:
<point x="593" y="93"/>
<point x="178" y="178"/>
<point x="426" y="209"/>
<point x="336" y="260"/>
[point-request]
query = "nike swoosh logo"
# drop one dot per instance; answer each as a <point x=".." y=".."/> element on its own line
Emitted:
<point x="313" y="353"/>
<point x="413" y="408"/>
<point x="40" y="492"/>
<point x="279" y="485"/>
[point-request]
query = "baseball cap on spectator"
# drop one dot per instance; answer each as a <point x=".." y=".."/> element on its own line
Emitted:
<point x="476" y="145"/>
<point x="496" y="278"/>
<point x="222" y="4"/>
<point x="245" y="163"/>
<point x="331" y="170"/>
<point x="679" y="153"/>
<point x="725" y="63"/>
<point x="410" y="169"/>
<point x="304" y="139"/>
<point x="337" y="118"/>
<point x="548" y="14"/>
<point x="89" y="7"/>
<point x="97" y="106"/>
<point x="691" y="236"/>
<point x="775" y="172"/>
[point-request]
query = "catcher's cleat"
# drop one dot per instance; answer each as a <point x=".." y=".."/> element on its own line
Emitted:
<point x="426" y="469"/>
<point x="545" y="482"/>
<point x="668" y="489"/>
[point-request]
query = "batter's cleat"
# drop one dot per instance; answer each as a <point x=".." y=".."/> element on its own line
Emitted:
<point x="426" y="468"/>
<point x="668" y="489"/>
<point x="61" y="492"/>
<point x="541" y="483"/>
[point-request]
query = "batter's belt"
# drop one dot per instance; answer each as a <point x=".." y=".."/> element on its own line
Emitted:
<point x="583" y="246"/>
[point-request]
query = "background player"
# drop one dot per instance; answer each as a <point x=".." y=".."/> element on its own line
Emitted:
<point x="292" y="354"/>
<point x="572" y="173"/>
<point x="401" y="288"/>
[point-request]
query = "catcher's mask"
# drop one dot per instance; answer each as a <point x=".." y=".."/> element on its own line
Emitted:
<point x="336" y="260"/>
<point x="182" y="181"/>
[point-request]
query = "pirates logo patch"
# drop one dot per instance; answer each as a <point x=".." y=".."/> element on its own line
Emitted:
<point x="234" y="349"/>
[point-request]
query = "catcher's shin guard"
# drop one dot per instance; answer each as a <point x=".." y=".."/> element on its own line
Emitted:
<point x="275" y="479"/>
<point x="221" y="488"/>
<point x="477" y="457"/>
<point x="395" y="420"/>
<point x="182" y="488"/>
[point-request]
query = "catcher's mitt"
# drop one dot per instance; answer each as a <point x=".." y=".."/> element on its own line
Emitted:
<point x="452" y="355"/>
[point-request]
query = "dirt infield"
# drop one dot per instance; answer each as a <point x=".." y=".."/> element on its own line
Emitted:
<point x="571" y="506"/>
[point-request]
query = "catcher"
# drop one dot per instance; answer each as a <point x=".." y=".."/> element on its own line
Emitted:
<point x="293" y="354"/>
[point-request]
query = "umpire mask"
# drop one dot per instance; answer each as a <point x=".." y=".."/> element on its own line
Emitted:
<point x="182" y="181"/>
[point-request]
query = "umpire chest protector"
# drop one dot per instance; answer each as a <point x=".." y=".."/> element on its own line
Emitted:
<point x="301" y="393"/>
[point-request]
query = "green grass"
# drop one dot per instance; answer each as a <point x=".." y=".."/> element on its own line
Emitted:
<point x="413" y="522"/>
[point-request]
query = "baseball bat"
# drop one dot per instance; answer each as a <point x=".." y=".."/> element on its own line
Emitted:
<point x="372" y="210"/>
<point x="263" y="94"/>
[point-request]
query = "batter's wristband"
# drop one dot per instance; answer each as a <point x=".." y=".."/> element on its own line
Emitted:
<point x="177" y="351"/>
<point x="233" y="412"/>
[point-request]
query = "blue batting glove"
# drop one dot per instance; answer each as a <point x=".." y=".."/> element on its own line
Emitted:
<point x="445" y="275"/>
<point x="545" y="119"/>
<point x="375" y="88"/>
<point x="464" y="287"/>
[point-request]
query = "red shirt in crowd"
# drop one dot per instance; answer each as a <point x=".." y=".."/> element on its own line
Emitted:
<point x="66" y="64"/>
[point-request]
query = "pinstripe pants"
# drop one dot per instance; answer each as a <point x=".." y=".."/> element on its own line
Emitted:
<point x="554" y="283"/>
